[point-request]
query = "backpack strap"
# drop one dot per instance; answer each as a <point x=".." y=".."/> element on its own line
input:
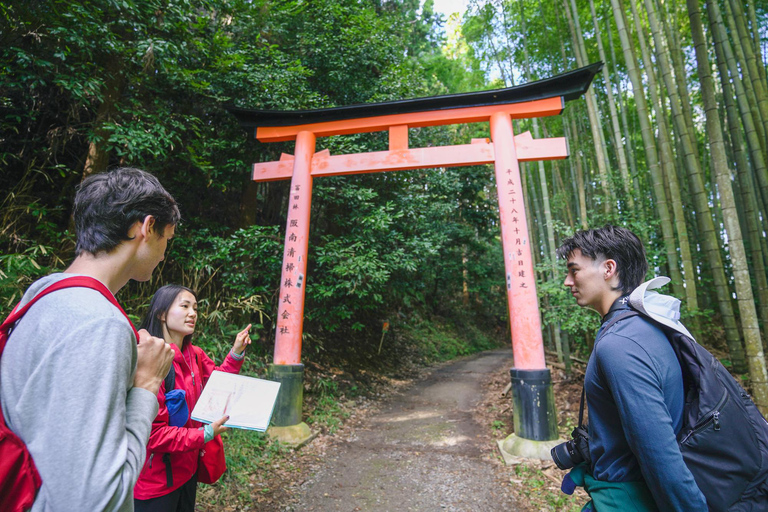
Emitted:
<point x="170" y="379"/>
<point x="69" y="282"/>
<point x="199" y="368"/>
<point x="608" y="325"/>
<point x="170" y="383"/>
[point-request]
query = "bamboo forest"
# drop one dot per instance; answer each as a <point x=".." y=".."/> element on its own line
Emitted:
<point x="405" y="269"/>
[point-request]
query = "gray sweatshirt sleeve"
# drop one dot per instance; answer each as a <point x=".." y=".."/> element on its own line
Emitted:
<point x="87" y="426"/>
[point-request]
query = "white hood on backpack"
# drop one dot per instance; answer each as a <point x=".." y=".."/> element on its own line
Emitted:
<point x="662" y="308"/>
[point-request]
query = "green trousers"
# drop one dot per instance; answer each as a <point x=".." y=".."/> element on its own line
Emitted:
<point x="613" y="496"/>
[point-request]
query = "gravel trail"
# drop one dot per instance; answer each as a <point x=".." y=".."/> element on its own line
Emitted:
<point x="424" y="451"/>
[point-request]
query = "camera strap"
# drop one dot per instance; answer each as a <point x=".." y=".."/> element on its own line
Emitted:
<point x="581" y="406"/>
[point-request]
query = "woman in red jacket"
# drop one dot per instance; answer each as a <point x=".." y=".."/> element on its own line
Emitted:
<point x="168" y="481"/>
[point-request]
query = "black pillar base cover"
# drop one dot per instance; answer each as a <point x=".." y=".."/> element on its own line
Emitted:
<point x="290" y="399"/>
<point x="533" y="405"/>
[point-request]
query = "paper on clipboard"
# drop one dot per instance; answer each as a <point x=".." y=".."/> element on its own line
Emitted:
<point x="248" y="401"/>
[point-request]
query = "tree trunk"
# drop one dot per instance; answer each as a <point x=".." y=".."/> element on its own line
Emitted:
<point x="569" y="127"/>
<point x="753" y="344"/>
<point x="464" y="277"/>
<point x="675" y="197"/>
<point x="671" y="31"/>
<point x="747" y="118"/>
<point x="625" y="125"/>
<point x="538" y="228"/>
<point x="756" y="41"/>
<point x="620" y="154"/>
<point x="746" y="74"/>
<point x="579" y="183"/>
<point x="97" y="159"/>
<point x="551" y="247"/>
<point x="751" y="61"/>
<point x="646" y="131"/>
<point x="699" y="196"/>
<point x="528" y="204"/>
<point x="568" y="206"/>
<point x="623" y="107"/>
<point x="745" y="179"/>
<point x="248" y="200"/>
<point x="557" y="182"/>
<point x="594" y="117"/>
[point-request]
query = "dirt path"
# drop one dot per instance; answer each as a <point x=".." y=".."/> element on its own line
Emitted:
<point x="424" y="451"/>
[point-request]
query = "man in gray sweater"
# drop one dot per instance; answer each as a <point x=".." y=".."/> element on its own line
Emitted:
<point x="74" y="384"/>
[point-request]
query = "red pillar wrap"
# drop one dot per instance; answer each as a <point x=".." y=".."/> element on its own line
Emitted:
<point x="293" y="280"/>
<point x="525" y="322"/>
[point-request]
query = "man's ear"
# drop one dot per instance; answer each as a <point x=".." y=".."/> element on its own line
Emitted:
<point x="148" y="226"/>
<point x="609" y="269"/>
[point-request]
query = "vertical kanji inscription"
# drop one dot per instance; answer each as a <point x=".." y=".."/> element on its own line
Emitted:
<point x="291" y="304"/>
<point x="525" y="322"/>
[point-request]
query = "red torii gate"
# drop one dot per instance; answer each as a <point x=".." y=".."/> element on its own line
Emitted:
<point x="534" y="416"/>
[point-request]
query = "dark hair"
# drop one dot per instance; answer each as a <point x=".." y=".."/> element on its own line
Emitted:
<point x="108" y="204"/>
<point x="615" y="243"/>
<point x="161" y="302"/>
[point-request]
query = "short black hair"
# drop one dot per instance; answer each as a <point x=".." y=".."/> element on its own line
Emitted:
<point x="161" y="302"/>
<point x="108" y="204"/>
<point x="615" y="243"/>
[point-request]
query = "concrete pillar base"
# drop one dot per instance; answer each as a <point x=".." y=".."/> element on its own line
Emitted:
<point x="514" y="448"/>
<point x="293" y="435"/>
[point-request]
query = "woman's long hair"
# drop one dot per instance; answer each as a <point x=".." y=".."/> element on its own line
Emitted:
<point x="161" y="302"/>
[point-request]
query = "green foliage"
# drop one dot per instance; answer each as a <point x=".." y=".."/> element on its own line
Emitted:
<point x="32" y="243"/>
<point x="243" y="261"/>
<point x="19" y="270"/>
<point x="355" y="261"/>
<point x="539" y="489"/>
<point x="253" y="450"/>
<point x="328" y="412"/>
<point x="151" y="93"/>
<point x="247" y="453"/>
<point x="442" y="339"/>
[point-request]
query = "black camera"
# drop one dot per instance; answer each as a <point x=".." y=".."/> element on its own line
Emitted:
<point x="571" y="453"/>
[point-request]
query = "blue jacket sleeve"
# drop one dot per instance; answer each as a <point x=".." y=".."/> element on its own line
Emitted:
<point x="636" y="384"/>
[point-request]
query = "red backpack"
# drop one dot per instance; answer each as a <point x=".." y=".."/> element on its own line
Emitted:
<point x="19" y="479"/>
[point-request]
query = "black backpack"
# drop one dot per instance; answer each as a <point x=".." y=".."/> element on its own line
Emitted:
<point x="724" y="438"/>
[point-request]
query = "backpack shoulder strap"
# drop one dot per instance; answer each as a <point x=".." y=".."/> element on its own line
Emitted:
<point x="69" y="282"/>
<point x="614" y="320"/>
<point x="170" y="379"/>
<point x="197" y="351"/>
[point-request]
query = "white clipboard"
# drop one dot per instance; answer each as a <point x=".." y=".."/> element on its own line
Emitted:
<point x="248" y="401"/>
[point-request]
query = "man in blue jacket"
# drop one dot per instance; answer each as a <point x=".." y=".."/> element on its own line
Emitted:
<point x="633" y="382"/>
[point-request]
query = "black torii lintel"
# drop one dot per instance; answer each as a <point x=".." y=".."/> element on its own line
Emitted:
<point x="569" y="86"/>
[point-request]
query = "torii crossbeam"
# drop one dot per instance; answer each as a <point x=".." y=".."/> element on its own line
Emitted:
<point x="505" y="150"/>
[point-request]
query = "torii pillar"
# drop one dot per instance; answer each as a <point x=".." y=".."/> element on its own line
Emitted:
<point x="535" y="419"/>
